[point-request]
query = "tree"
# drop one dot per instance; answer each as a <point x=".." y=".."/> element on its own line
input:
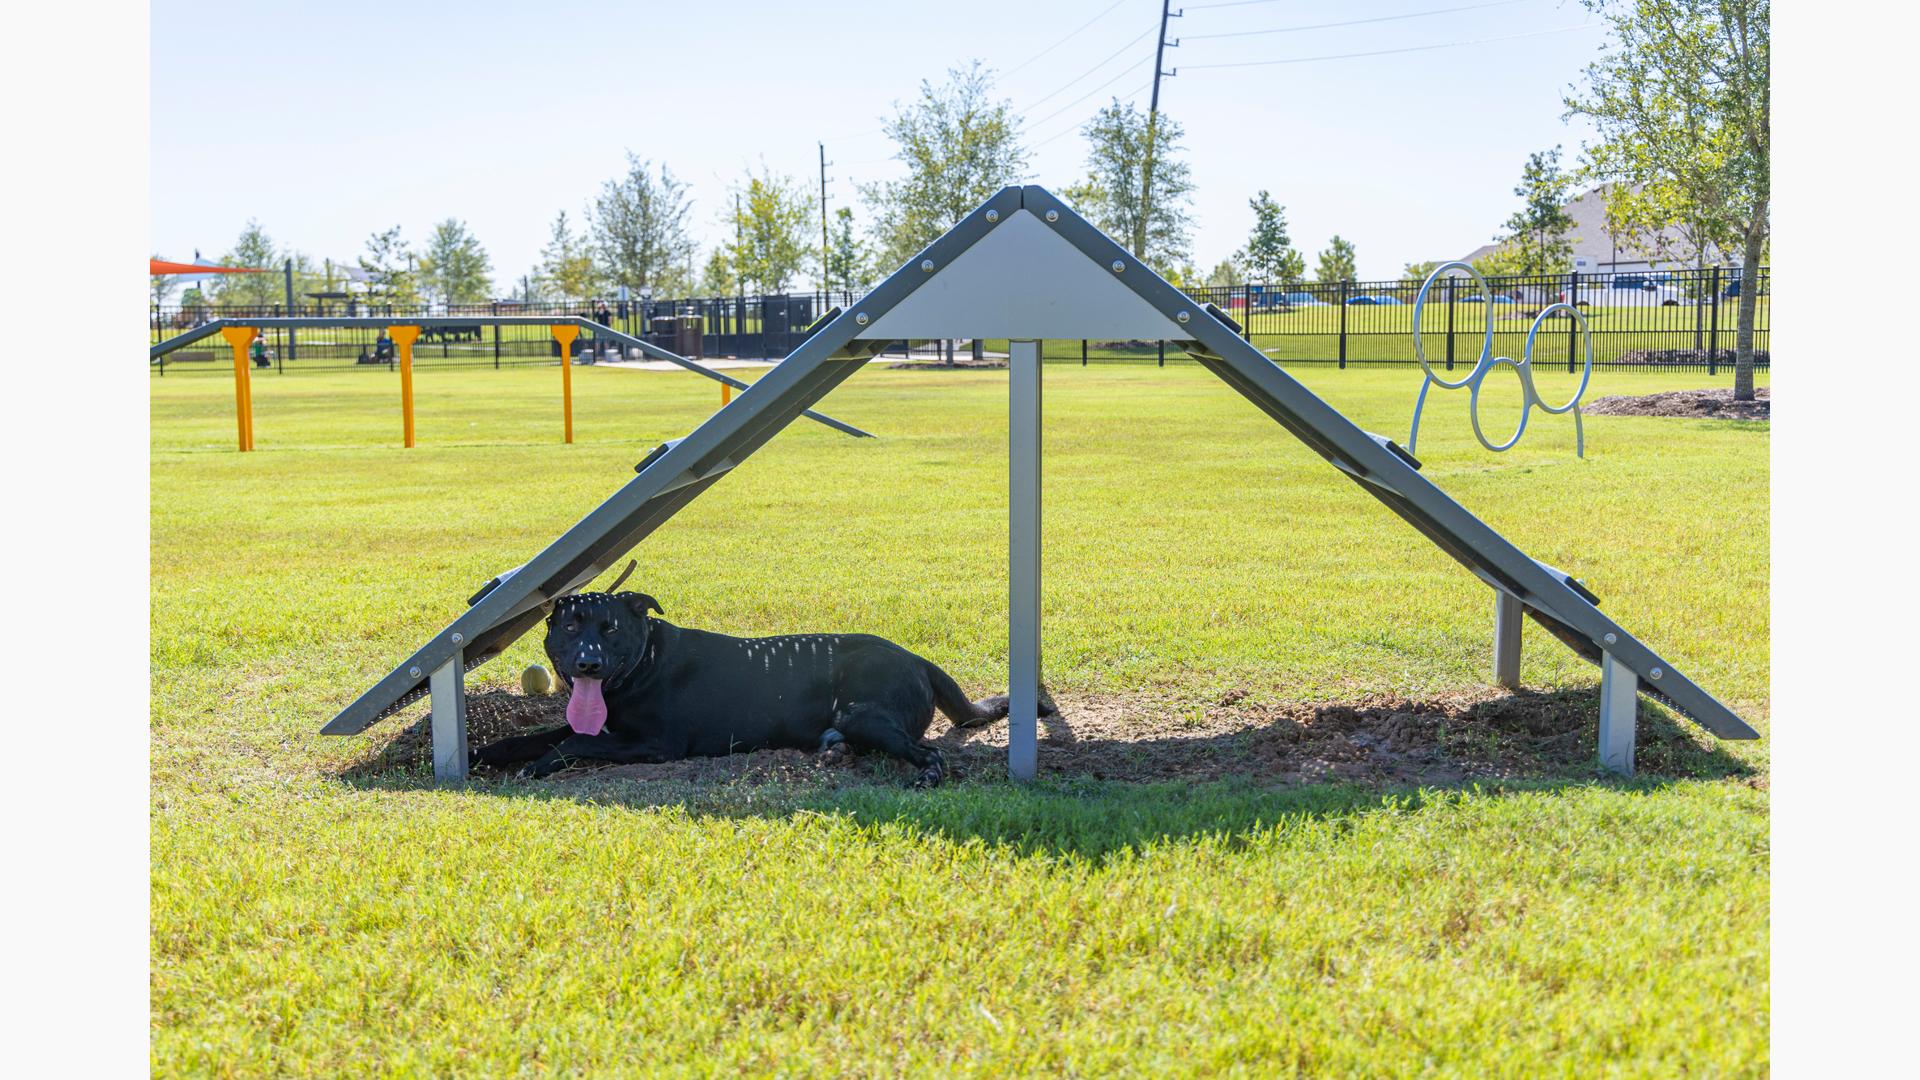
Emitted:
<point x="718" y="279"/>
<point x="1416" y="272"/>
<point x="638" y="229"/>
<point x="390" y="269"/>
<point x="162" y="286"/>
<point x="959" y="147"/>
<point x="771" y="226"/>
<point x="1537" y="232"/>
<point x="1225" y="273"/>
<point x="566" y="270"/>
<point x="455" y="267"/>
<point x="1681" y="98"/>
<point x="1336" y="263"/>
<point x="847" y="256"/>
<point x="256" y="249"/>
<point x="1118" y="143"/>
<point x="1269" y="254"/>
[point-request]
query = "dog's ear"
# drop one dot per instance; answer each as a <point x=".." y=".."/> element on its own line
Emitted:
<point x="639" y="602"/>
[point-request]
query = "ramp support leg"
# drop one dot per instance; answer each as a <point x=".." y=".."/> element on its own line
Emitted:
<point x="1023" y="559"/>
<point x="448" y="687"/>
<point x="1507" y="616"/>
<point x="1619" y="702"/>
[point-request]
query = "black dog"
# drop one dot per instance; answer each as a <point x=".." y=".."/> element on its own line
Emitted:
<point x="644" y="690"/>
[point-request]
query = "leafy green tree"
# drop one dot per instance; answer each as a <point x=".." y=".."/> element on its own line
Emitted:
<point x="565" y="270"/>
<point x="771" y="225"/>
<point x="848" y="260"/>
<point x="1681" y="98"/>
<point x="1226" y="272"/>
<point x="1501" y="262"/>
<point x="161" y="286"/>
<point x="1157" y="229"/>
<point x="1537" y="232"/>
<point x="389" y="269"/>
<point x="959" y="146"/>
<point x="254" y="248"/>
<point x="1269" y="255"/>
<point x="456" y="268"/>
<point x="718" y="279"/>
<point x="1336" y="262"/>
<point x="638" y="229"/>
<point x="1416" y="272"/>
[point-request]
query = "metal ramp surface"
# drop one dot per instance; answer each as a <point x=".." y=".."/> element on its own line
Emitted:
<point x="1001" y="272"/>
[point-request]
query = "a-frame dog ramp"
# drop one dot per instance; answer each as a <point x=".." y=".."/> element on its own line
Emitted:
<point x="1025" y="267"/>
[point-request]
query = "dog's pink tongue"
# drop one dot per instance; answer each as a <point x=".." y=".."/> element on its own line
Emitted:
<point x="587" y="708"/>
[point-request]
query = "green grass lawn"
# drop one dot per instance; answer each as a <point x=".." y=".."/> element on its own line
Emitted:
<point x="304" y="923"/>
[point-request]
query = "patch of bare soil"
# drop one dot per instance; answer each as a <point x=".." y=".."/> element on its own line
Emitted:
<point x="1379" y="739"/>
<point x="1696" y="404"/>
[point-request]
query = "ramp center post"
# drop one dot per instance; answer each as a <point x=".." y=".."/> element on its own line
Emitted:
<point x="1507" y="617"/>
<point x="448" y="689"/>
<point x="1619" y="704"/>
<point x="1023" y="559"/>
<point x="403" y="339"/>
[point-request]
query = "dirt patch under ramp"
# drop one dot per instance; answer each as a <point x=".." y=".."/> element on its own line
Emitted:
<point x="1377" y="739"/>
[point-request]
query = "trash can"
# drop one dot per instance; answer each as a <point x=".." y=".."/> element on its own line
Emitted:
<point x="689" y="335"/>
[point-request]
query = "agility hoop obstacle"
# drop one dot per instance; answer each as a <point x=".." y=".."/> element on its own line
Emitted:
<point x="239" y="331"/>
<point x="1024" y="267"/>
<point x="1486" y="362"/>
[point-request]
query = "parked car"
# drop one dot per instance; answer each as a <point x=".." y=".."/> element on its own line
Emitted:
<point x="1476" y="298"/>
<point x="1302" y="299"/>
<point x="1376" y="299"/>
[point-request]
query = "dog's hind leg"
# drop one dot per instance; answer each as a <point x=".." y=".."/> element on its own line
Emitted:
<point x="517" y="748"/>
<point x="876" y="728"/>
<point x="833" y="747"/>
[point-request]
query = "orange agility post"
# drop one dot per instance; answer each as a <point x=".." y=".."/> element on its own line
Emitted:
<point x="726" y="393"/>
<point x="240" y="337"/>
<point x="403" y="339"/>
<point x="565" y="335"/>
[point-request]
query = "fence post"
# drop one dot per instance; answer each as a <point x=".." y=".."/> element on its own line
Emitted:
<point x="1246" y="328"/>
<point x="1713" y="340"/>
<point x="1451" y="282"/>
<point x="1163" y="353"/>
<point x="1343" y="324"/>
<point x="1573" y="324"/>
<point x="1083" y="352"/>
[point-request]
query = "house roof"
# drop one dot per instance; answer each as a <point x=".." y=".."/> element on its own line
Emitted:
<point x="1591" y="240"/>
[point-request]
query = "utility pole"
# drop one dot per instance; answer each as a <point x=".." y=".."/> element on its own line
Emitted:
<point x="739" y="249"/>
<point x="825" y="281"/>
<point x="1153" y="130"/>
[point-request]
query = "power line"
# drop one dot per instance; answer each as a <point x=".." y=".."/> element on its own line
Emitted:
<point x="1390" y="52"/>
<point x="1117" y="77"/>
<point x="1351" y="22"/>
<point x="1103" y="14"/>
<point x="1071" y="128"/>
<point x="1091" y="70"/>
<point x="1228" y="3"/>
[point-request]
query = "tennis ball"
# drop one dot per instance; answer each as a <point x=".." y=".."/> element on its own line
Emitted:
<point x="535" y="680"/>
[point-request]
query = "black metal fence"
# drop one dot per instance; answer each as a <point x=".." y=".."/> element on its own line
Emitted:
<point x="1683" y="319"/>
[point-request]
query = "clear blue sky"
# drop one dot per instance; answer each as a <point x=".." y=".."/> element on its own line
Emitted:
<point x="327" y="123"/>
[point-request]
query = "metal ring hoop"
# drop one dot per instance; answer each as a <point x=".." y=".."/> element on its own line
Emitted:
<point x="1419" y="305"/>
<point x="1528" y="399"/>
<point x="1586" y="335"/>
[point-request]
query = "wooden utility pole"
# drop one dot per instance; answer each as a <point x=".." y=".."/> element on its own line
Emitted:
<point x="1153" y="124"/>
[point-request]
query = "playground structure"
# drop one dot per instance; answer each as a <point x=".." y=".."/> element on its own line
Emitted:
<point x="239" y="332"/>
<point x="1024" y="267"/>
<point x="1486" y="362"/>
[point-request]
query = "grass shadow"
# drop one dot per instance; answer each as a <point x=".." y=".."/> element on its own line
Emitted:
<point x="1105" y="789"/>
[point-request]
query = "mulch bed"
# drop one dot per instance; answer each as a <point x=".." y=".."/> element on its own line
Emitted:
<point x="968" y="363"/>
<point x="1380" y="739"/>
<point x="1695" y="404"/>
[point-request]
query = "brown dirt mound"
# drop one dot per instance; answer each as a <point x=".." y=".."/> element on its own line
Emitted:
<point x="1379" y="739"/>
<point x="1695" y="404"/>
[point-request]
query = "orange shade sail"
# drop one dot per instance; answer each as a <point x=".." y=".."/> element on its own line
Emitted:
<point x="156" y="267"/>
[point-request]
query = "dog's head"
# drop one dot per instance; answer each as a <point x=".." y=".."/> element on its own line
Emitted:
<point x="595" y="638"/>
<point x="599" y="635"/>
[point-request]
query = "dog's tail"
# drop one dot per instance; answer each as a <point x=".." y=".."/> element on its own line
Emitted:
<point x="965" y="713"/>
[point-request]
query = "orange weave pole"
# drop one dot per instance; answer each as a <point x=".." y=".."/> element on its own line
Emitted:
<point x="565" y="335"/>
<point x="239" y="337"/>
<point x="403" y="339"/>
